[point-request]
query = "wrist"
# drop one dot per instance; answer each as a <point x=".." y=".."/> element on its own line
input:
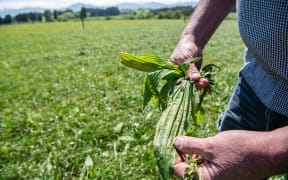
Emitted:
<point x="278" y="150"/>
<point x="271" y="152"/>
<point x="186" y="50"/>
<point x="193" y="39"/>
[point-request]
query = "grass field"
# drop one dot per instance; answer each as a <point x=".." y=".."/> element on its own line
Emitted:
<point x="70" y="110"/>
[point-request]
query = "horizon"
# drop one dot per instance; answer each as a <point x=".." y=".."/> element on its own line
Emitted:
<point x="56" y="4"/>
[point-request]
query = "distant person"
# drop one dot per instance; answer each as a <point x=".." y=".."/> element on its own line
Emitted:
<point x="254" y="141"/>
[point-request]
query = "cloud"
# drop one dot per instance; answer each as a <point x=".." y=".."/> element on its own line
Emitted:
<point x="22" y="4"/>
<point x="57" y="4"/>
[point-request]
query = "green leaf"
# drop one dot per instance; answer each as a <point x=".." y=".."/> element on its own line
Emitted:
<point x="152" y="58"/>
<point x="185" y="66"/>
<point x="147" y="95"/>
<point x="146" y="63"/>
<point x="156" y="59"/>
<point x="195" y="60"/>
<point x="151" y="87"/>
<point x="200" y="116"/>
<point x="165" y="91"/>
<point x="208" y="72"/>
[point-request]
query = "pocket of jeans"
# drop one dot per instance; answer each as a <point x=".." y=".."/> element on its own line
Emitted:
<point x="219" y="121"/>
<point x="274" y="120"/>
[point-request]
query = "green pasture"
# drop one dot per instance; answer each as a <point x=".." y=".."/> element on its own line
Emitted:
<point x="70" y="110"/>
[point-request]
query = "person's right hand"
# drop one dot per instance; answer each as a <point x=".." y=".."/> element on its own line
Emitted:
<point x="186" y="50"/>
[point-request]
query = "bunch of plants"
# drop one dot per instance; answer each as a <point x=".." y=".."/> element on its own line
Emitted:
<point x="179" y="101"/>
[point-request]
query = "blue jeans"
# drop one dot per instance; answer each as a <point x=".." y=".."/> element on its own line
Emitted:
<point x="245" y="111"/>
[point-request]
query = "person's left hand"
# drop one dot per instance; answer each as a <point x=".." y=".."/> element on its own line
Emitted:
<point x="229" y="155"/>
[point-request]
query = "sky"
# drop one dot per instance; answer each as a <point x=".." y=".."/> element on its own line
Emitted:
<point x="16" y="4"/>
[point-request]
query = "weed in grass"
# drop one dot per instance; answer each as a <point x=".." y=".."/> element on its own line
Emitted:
<point x="64" y="93"/>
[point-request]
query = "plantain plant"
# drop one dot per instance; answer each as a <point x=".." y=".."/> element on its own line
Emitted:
<point x="176" y="97"/>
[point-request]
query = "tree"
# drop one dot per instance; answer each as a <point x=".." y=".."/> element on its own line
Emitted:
<point x="83" y="15"/>
<point x="23" y="17"/>
<point x="8" y="19"/>
<point x="66" y="16"/>
<point x="96" y="12"/>
<point x="33" y="17"/>
<point x="26" y="17"/>
<point x="55" y="15"/>
<point x="48" y="16"/>
<point x="112" y="11"/>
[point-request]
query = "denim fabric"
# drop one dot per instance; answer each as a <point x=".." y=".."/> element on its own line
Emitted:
<point x="245" y="111"/>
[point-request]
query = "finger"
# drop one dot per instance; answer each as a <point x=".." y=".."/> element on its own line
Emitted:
<point x="178" y="160"/>
<point x="181" y="155"/>
<point x="190" y="145"/>
<point x="193" y="73"/>
<point x="196" y="156"/>
<point x="198" y="159"/>
<point x="179" y="169"/>
<point x="202" y="83"/>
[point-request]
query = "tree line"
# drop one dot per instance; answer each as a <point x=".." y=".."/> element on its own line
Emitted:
<point x="66" y="15"/>
<point x="57" y="15"/>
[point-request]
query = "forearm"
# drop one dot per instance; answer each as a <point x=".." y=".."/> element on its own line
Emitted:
<point x="271" y="153"/>
<point x="277" y="142"/>
<point x="205" y="20"/>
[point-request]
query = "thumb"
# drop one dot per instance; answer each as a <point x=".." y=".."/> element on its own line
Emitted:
<point x="193" y="73"/>
<point x="191" y="145"/>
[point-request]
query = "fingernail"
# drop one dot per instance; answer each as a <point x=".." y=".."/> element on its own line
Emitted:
<point x="195" y="76"/>
<point x="178" y="142"/>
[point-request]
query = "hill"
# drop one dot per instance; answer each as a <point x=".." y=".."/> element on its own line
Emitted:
<point x="77" y="7"/>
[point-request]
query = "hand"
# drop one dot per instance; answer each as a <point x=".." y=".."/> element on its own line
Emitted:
<point x="187" y="50"/>
<point x="228" y="155"/>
